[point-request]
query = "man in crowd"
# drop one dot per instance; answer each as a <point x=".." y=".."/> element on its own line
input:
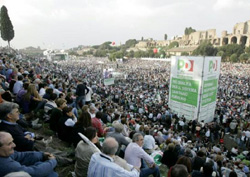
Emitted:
<point x="117" y="134"/>
<point x="81" y="91"/>
<point x="34" y="163"/>
<point x="136" y="156"/>
<point x="9" y="114"/>
<point x="103" y="164"/>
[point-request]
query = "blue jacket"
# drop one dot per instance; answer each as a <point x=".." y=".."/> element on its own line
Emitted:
<point x="30" y="162"/>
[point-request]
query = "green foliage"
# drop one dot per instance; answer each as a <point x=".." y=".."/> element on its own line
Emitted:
<point x="231" y="49"/>
<point x="220" y="53"/>
<point x="100" y="53"/>
<point x="173" y="44"/>
<point x="244" y="57"/>
<point x="95" y="46"/>
<point x="247" y="50"/>
<point x="116" y="55"/>
<point x="6" y="27"/>
<point x="139" y="54"/>
<point x="105" y="45"/>
<point x="130" y="54"/>
<point x="234" y="58"/>
<point x="189" y="30"/>
<point x="184" y="53"/>
<point x="205" y="49"/>
<point x="73" y="53"/>
<point x="130" y="43"/>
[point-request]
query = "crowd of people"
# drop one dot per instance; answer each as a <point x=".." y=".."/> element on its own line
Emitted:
<point x="119" y="129"/>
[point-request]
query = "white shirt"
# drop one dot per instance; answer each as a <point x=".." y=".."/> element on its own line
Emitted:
<point x="88" y="95"/>
<point x="41" y="92"/>
<point x="149" y="142"/>
<point x="102" y="165"/>
<point x="17" y="86"/>
<point x="70" y="122"/>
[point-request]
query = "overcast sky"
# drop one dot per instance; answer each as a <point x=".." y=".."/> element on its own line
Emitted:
<point x="69" y="23"/>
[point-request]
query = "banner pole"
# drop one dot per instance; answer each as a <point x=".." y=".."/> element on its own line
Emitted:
<point x="201" y="87"/>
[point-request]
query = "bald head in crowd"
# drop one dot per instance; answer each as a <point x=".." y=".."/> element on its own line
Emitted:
<point x="110" y="146"/>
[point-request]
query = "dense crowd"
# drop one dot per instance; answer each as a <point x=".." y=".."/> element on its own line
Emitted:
<point x="124" y="129"/>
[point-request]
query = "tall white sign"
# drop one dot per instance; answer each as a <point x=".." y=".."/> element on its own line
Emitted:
<point x="192" y="86"/>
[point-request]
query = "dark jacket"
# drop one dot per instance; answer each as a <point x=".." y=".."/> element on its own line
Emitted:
<point x="74" y="135"/>
<point x="64" y="132"/>
<point x="56" y="114"/>
<point x="17" y="132"/>
<point x="81" y="90"/>
<point x="170" y="157"/>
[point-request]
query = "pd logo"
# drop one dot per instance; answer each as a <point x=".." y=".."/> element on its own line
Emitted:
<point x="213" y="65"/>
<point x="186" y="65"/>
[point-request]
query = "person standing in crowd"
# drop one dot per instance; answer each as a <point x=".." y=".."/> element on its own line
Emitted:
<point x="88" y="94"/>
<point x="81" y="91"/>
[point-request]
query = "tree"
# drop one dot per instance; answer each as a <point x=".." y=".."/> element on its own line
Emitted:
<point x="244" y="57"/>
<point x="189" y="30"/>
<point x="233" y="58"/>
<point x="205" y="49"/>
<point x="165" y="37"/>
<point x="184" y="53"/>
<point x="130" y="43"/>
<point x="173" y="44"/>
<point x="247" y="50"/>
<point x="6" y="27"/>
<point x="231" y="49"/>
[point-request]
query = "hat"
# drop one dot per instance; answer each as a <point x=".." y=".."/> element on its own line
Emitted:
<point x="26" y="72"/>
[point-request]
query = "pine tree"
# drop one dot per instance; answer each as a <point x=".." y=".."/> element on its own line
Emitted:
<point x="6" y="27"/>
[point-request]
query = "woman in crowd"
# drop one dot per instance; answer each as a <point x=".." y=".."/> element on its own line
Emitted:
<point x="30" y="99"/>
<point x="82" y="123"/>
<point x="170" y="156"/>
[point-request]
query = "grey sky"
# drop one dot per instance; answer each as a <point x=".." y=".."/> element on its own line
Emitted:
<point x="69" y="23"/>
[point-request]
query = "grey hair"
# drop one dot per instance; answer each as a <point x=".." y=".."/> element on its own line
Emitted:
<point x="136" y="137"/>
<point x="92" y="108"/>
<point x="110" y="146"/>
<point x="118" y="127"/>
<point x="6" y="108"/>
